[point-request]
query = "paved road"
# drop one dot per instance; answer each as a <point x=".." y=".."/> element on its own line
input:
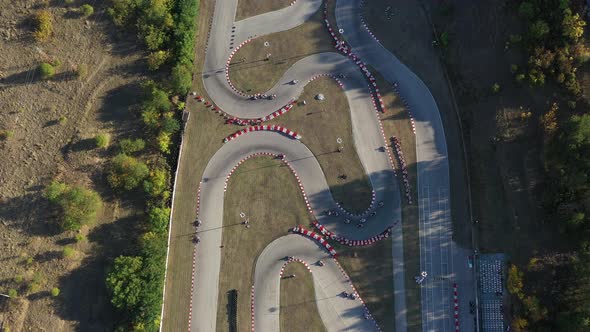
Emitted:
<point x="436" y="244"/>
<point x="440" y="257"/>
<point x="337" y="313"/>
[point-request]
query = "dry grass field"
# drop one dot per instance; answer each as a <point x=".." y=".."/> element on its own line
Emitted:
<point x="251" y="73"/>
<point x="299" y="310"/>
<point x="320" y="123"/>
<point x="249" y="8"/>
<point x="53" y="123"/>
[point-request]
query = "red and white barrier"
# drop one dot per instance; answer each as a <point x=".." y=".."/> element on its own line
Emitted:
<point x="404" y="169"/>
<point x="252" y="308"/>
<point x="353" y="243"/>
<point x="291" y="260"/>
<point x="315" y="236"/>
<point x="279" y="112"/>
<point x="190" y="306"/>
<point x="456" y="306"/>
<point x="367" y="312"/>
<point x="231" y="55"/>
<point x="279" y="129"/>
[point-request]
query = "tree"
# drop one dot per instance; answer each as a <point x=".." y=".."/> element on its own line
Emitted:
<point x="526" y="10"/>
<point x="539" y="29"/>
<point x="86" y="10"/>
<point x="157" y="182"/>
<point x="158" y="219"/>
<point x="495" y="88"/>
<point x="129" y="146"/>
<point x="46" y="70"/>
<point x="12" y="293"/>
<point x="55" y="291"/>
<point x="181" y="79"/>
<point x="519" y="324"/>
<point x="126" y="172"/>
<point x="156" y="59"/>
<point x="573" y="25"/>
<point x="43" y="25"/>
<point x="514" y="282"/>
<point x="125" y="283"/>
<point x="78" y="206"/>
<point x="164" y="141"/>
<point x="169" y="124"/>
<point x="102" y="140"/>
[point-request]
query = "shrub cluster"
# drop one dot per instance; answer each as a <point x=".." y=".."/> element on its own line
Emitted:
<point x="43" y="25"/>
<point x="167" y="29"/>
<point x="553" y="41"/>
<point x="78" y="206"/>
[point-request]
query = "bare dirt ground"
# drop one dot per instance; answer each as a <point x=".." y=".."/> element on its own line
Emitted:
<point x="53" y="123"/>
<point x="248" y="8"/>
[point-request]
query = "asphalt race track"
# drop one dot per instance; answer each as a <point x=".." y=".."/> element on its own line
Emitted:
<point x="444" y="262"/>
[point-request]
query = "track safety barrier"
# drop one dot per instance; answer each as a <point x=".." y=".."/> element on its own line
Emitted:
<point x="395" y="142"/>
<point x="319" y="238"/>
<point x="280" y="129"/>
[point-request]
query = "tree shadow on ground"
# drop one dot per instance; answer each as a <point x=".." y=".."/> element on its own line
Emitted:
<point x="116" y="105"/>
<point x="83" y="296"/>
<point x="29" y="213"/>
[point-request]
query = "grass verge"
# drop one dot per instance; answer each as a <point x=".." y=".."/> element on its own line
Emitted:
<point x="249" y="8"/>
<point x="251" y="73"/>
<point x="371" y="271"/>
<point x="278" y="206"/>
<point x="298" y="301"/>
<point x="320" y="123"/>
<point x="397" y="123"/>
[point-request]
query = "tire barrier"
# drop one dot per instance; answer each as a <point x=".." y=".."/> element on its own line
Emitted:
<point x="327" y="75"/>
<point x="456" y="306"/>
<point x="232" y="310"/>
<point x="231" y="55"/>
<point x="280" y="112"/>
<point x="363" y="21"/>
<point x="252" y="309"/>
<point x="353" y="243"/>
<point x="362" y="214"/>
<point x="395" y="142"/>
<point x="407" y="106"/>
<point x="190" y="306"/>
<point x="229" y="119"/>
<point x="291" y="260"/>
<point x="275" y="128"/>
<point x="367" y="314"/>
<point x="312" y="235"/>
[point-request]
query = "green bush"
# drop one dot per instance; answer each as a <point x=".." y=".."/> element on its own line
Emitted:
<point x="181" y="79"/>
<point x="12" y="293"/>
<point x="158" y="219"/>
<point x="5" y="134"/>
<point x="102" y="140"/>
<point x="78" y="206"/>
<point x="157" y="183"/>
<point x="80" y="238"/>
<point x="127" y="172"/>
<point x="495" y="88"/>
<point x="55" y="291"/>
<point x="81" y="70"/>
<point x="164" y="140"/>
<point x="46" y="70"/>
<point x="125" y="283"/>
<point x="43" y="25"/>
<point x="156" y="59"/>
<point x="129" y="146"/>
<point x="86" y="10"/>
<point x="68" y="252"/>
